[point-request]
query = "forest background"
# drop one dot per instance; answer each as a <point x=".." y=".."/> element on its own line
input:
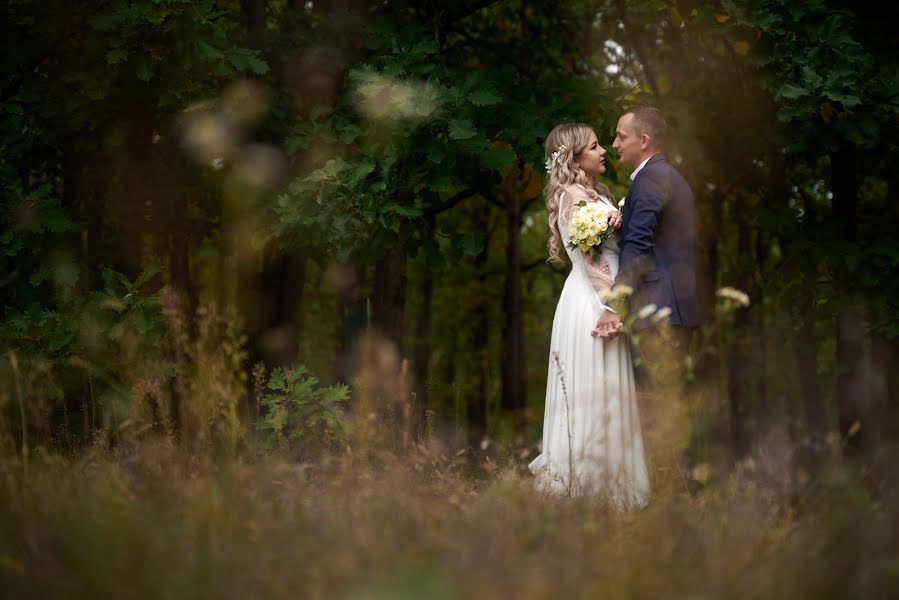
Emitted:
<point x="237" y="230"/>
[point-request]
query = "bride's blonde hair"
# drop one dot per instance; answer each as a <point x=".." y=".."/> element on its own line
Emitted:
<point x="571" y="138"/>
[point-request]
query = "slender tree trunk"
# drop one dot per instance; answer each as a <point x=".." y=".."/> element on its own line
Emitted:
<point x="135" y="193"/>
<point x="807" y="359"/>
<point x="421" y="359"/>
<point x="760" y="364"/>
<point x="480" y="327"/>
<point x="636" y="41"/>
<point x="276" y="333"/>
<point x="853" y="392"/>
<point x="807" y="343"/>
<point x="853" y="398"/>
<point x="884" y="358"/>
<point x="254" y="18"/>
<point x="844" y="184"/>
<point x="777" y="193"/>
<point x="73" y="201"/>
<point x="180" y="227"/>
<point x="881" y="364"/>
<point x="513" y="368"/>
<point x="389" y="298"/>
<point x="708" y="236"/>
<point x="885" y="351"/>
<point x="738" y="377"/>
<point x="352" y="309"/>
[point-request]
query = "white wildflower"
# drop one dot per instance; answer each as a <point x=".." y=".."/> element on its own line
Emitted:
<point x="646" y="311"/>
<point x="737" y="296"/>
<point x="619" y="291"/>
<point x="662" y="314"/>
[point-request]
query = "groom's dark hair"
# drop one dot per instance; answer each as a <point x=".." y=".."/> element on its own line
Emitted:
<point x="650" y="120"/>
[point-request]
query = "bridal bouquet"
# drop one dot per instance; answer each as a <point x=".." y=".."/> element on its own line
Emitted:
<point x="589" y="226"/>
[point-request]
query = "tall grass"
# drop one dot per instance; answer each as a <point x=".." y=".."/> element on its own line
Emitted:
<point x="381" y="516"/>
<point x="148" y="521"/>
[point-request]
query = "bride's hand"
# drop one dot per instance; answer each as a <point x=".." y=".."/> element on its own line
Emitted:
<point x="615" y="219"/>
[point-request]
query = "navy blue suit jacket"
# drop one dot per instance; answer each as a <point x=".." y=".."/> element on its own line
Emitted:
<point x="656" y="243"/>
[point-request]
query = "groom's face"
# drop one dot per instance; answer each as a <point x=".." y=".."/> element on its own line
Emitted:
<point x="628" y="142"/>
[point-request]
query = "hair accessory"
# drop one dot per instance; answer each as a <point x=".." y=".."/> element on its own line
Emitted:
<point x="553" y="160"/>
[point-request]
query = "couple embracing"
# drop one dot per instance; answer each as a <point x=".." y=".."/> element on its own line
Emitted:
<point x="592" y="440"/>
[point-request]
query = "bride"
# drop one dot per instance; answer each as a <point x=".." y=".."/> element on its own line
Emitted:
<point x="592" y="444"/>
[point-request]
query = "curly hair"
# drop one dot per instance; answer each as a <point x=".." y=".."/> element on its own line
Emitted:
<point x="574" y="137"/>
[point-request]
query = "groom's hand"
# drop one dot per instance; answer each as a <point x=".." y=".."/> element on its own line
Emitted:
<point x="607" y="325"/>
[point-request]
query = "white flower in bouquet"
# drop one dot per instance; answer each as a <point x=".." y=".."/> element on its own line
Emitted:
<point x="589" y="226"/>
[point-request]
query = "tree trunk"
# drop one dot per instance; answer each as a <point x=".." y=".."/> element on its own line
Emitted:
<point x="513" y="368"/>
<point x="844" y="185"/>
<point x="389" y="298"/>
<point x="707" y="276"/>
<point x="134" y="199"/>
<point x="421" y="358"/>
<point x="281" y="286"/>
<point x="254" y="18"/>
<point x="738" y="376"/>
<point x="760" y="364"/>
<point x="879" y="389"/>
<point x="853" y="398"/>
<point x="851" y="388"/>
<point x="807" y="344"/>
<point x="476" y="410"/>
<point x="353" y="311"/>
<point x="807" y="360"/>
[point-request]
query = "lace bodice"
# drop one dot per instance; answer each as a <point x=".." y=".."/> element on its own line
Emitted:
<point x="600" y="270"/>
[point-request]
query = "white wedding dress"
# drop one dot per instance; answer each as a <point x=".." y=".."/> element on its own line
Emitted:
<point x="592" y="444"/>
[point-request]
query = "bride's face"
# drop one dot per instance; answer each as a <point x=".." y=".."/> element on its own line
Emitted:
<point x="592" y="159"/>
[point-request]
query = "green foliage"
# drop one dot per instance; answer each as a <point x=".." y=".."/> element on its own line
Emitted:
<point x="32" y="246"/>
<point x="818" y="69"/>
<point x="414" y="132"/>
<point x="419" y="128"/>
<point x="301" y="415"/>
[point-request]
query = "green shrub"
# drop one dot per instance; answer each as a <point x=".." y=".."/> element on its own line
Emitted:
<point x="300" y="416"/>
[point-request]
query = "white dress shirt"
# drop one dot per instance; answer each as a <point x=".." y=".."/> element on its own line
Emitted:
<point x="640" y="166"/>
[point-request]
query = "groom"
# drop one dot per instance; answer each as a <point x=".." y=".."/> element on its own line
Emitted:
<point x="658" y="231"/>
